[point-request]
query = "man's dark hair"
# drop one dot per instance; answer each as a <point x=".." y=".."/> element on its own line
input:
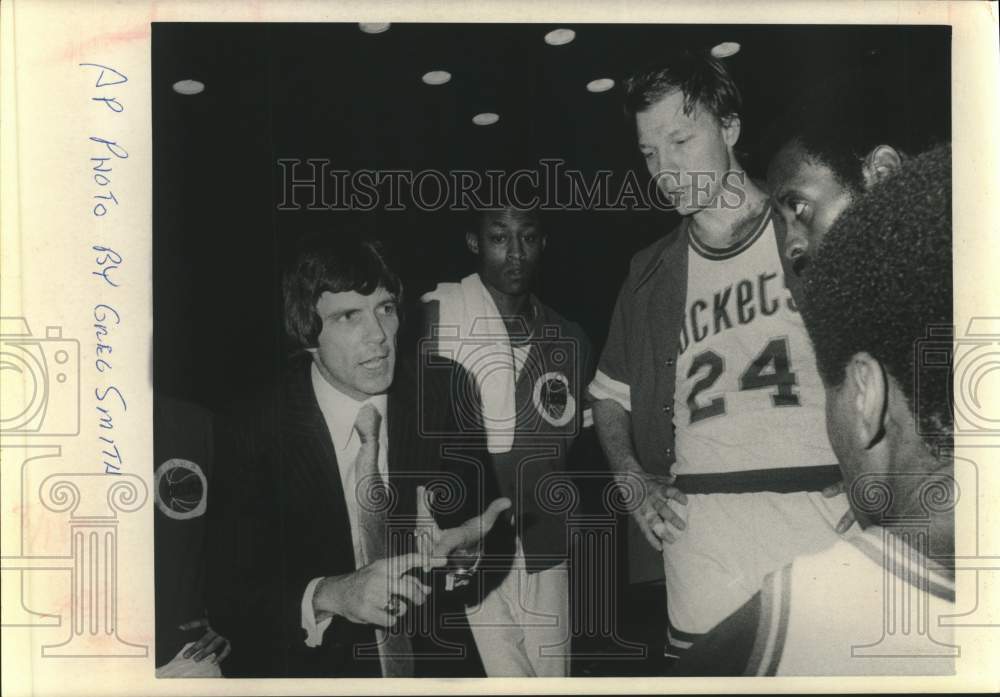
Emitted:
<point x="481" y="216"/>
<point x="523" y="200"/>
<point x="700" y="77"/>
<point x="882" y="278"/>
<point x="838" y="122"/>
<point x="336" y="264"/>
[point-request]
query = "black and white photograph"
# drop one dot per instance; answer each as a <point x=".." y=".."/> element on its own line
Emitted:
<point x="524" y="348"/>
<point x="552" y="350"/>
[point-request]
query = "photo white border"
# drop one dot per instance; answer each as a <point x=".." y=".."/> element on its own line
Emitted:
<point x="46" y="198"/>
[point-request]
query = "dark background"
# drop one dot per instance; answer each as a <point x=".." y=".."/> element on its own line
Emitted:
<point x="331" y="91"/>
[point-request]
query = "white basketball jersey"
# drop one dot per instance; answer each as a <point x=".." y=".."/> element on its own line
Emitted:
<point x="871" y="605"/>
<point x="748" y="394"/>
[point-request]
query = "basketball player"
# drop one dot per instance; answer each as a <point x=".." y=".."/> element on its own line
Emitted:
<point x="709" y="404"/>
<point x="530" y="365"/>
<point x="884" y="271"/>
<point x="831" y="148"/>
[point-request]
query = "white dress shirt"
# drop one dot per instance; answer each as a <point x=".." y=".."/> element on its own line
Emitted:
<point x="340" y="412"/>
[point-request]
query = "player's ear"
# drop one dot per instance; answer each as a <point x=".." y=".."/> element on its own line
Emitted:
<point x="472" y="241"/>
<point x="731" y="127"/>
<point x="867" y="387"/>
<point x="880" y="164"/>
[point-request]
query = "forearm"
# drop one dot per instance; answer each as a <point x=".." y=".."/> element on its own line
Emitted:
<point x="651" y="492"/>
<point x="614" y="430"/>
<point x="328" y="599"/>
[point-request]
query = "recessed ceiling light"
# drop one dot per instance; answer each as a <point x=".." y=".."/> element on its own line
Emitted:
<point x="189" y="87"/>
<point x="436" y="77"/>
<point x="487" y="118"/>
<point x="560" y="37"/>
<point x="725" y="49"/>
<point x="373" y="27"/>
<point x="602" y="84"/>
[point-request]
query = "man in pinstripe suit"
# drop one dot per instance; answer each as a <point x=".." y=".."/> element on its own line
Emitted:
<point x="322" y="483"/>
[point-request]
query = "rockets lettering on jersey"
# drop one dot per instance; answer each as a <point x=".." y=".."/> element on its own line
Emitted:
<point x="748" y="393"/>
<point x="736" y="304"/>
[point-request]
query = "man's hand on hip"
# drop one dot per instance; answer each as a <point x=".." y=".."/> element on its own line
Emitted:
<point x="658" y="522"/>
<point x="378" y="594"/>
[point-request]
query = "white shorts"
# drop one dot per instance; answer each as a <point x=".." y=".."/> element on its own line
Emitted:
<point x="731" y="542"/>
<point x="522" y="627"/>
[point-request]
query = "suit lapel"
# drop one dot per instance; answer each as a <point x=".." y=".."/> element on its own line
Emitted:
<point x="407" y="456"/>
<point x="310" y="460"/>
<point x="401" y="442"/>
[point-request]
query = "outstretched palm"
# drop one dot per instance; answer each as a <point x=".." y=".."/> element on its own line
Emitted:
<point x="436" y="545"/>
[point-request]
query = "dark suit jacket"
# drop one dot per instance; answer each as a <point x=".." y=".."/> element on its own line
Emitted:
<point x="278" y="520"/>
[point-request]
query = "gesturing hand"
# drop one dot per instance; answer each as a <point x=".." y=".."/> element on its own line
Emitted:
<point x="434" y="545"/>
<point x="656" y="519"/>
<point x="366" y="596"/>
<point x="847" y="520"/>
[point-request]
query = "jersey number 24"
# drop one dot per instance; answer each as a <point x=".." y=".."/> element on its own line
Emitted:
<point x="771" y="368"/>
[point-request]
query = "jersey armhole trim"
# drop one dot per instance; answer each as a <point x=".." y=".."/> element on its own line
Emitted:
<point x="775" y="604"/>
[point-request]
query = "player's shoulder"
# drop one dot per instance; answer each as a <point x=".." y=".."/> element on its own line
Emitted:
<point x="833" y="555"/>
<point x="648" y="254"/>
<point x="646" y="259"/>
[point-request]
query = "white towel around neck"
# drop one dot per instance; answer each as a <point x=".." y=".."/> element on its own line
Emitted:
<point x="472" y="333"/>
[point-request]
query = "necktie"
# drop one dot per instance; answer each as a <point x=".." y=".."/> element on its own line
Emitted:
<point x="371" y="489"/>
<point x="394" y="647"/>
